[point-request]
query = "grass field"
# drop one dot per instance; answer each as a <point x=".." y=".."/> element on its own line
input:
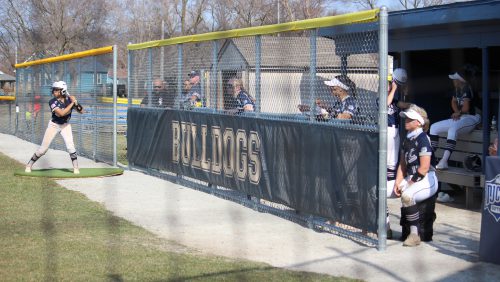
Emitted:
<point x="50" y="233"/>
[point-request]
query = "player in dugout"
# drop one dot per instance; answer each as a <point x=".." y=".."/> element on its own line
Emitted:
<point x="416" y="179"/>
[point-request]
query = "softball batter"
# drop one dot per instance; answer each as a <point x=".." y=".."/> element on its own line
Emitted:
<point x="61" y="106"/>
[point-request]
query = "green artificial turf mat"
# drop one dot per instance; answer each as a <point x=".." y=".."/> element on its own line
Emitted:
<point x="68" y="173"/>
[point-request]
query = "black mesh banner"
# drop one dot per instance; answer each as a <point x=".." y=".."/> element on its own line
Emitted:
<point x="312" y="167"/>
<point x="489" y="243"/>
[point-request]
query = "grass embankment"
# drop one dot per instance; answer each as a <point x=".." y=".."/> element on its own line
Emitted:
<point x="50" y="233"/>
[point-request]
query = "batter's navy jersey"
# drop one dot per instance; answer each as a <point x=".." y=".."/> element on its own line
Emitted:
<point x="54" y="103"/>
<point x="417" y="144"/>
<point x="347" y="106"/>
<point x="462" y="95"/>
<point x="243" y="99"/>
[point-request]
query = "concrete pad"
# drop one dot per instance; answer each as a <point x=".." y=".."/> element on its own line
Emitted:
<point x="216" y="226"/>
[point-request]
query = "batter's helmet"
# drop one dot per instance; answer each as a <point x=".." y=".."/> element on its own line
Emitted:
<point x="61" y="85"/>
<point x="399" y="75"/>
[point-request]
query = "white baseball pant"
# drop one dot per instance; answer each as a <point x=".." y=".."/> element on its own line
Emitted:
<point x="465" y="124"/>
<point x="392" y="152"/>
<point x="51" y="132"/>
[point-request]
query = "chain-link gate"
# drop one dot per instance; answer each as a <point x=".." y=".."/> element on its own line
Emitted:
<point x="90" y="78"/>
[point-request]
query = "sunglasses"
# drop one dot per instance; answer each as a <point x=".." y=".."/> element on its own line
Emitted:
<point x="156" y="87"/>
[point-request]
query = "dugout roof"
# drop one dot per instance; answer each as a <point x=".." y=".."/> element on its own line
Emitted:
<point x="458" y="25"/>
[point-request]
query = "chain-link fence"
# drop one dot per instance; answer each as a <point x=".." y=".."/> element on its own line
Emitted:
<point x="300" y="110"/>
<point x="88" y="76"/>
<point x="279" y="76"/>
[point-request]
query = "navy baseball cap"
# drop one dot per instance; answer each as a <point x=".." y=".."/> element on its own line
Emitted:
<point x="194" y="73"/>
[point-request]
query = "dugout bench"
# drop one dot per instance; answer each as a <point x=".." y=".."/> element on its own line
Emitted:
<point x="457" y="174"/>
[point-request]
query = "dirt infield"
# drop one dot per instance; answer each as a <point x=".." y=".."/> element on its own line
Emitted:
<point x="212" y="225"/>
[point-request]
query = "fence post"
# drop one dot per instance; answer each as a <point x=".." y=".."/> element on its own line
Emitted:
<point x="382" y="121"/>
<point x="94" y="145"/>
<point x="42" y="80"/>
<point x="179" y="75"/>
<point x="130" y="67"/>
<point x="258" y="58"/>
<point x="312" y="71"/>
<point x="150" y="77"/>
<point x="79" y="96"/>
<point x="115" y="100"/>
<point x="213" y="76"/>
<point x="17" y="101"/>
<point x="32" y="97"/>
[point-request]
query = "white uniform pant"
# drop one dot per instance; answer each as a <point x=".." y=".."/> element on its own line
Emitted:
<point x="392" y="150"/>
<point x="417" y="192"/>
<point x="465" y="124"/>
<point x="51" y="132"/>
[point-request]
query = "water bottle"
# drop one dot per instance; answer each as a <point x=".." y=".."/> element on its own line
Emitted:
<point x="494" y="123"/>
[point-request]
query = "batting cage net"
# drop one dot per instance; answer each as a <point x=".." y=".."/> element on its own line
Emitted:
<point x="89" y="77"/>
<point x="282" y="117"/>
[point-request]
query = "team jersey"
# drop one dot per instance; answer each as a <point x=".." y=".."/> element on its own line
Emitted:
<point x="346" y="106"/>
<point x="415" y="145"/>
<point x="243" y="99"/>
<point x="196" y="91"/>
<point x="462" y="95"/>
<point x="393" y="114"/>
<point x="162" y="99"/>
<point x="54" y="103"/>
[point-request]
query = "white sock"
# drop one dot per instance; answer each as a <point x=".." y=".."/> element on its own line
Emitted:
<point x="446" y="156"/>
<point x="414" y="229"/>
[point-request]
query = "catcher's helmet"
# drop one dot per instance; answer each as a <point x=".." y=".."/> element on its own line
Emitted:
<point x="399" y="75"/>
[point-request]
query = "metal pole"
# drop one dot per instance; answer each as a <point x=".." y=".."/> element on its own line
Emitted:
<point x="94" y="145"/>
<point x="25" y="108"/>
<point x="213" y="80"/>
<point x="130" y="64"/>
<point x="486" y="98"/>
<point x="179" y="75"/>
<point x="162" y="51"/>
<point x="258" y="60"/>
<point x="279" y="8"/>
<point x="150" y="77"/>
<point x="115" y="100"/>
<point x="312" y="70"/>
<point x="80" y="130"/>
<point x="382" y="121"/>
<point x="32" y="121"/>
<point x="17" y="102"/>
<point x="42" y="80"/>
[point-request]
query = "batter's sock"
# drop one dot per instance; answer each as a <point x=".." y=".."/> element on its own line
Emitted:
<point x="74" y="159"/>
<point x="33" y="159"/>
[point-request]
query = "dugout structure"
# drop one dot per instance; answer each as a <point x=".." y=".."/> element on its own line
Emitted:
<point x="86" y="74"/>
<point x="320" y="168"/>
